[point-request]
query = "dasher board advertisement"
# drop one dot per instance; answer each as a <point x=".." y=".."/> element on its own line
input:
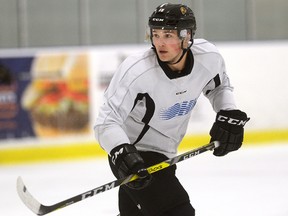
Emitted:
<point x="45" y="95"/>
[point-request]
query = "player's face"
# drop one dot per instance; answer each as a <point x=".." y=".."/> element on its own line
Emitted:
<point x="167" y="44"/>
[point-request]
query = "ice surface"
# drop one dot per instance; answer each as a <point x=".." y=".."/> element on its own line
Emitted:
<point x="252" y="182"/>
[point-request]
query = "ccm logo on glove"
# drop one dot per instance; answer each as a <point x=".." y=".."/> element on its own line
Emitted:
<point x="232" y="121"/>
<point x="115" y="155"/>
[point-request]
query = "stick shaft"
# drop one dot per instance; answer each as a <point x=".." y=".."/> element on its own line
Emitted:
<point x="41" y="209"/>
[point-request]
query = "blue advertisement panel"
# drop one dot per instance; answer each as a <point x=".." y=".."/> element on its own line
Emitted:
<point x="45" y="95"/>
<point x="14" y="78"/>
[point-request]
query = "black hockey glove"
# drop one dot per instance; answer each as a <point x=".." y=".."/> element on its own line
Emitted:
<point x="125" y="160"/>
<point x="228" y="128"/>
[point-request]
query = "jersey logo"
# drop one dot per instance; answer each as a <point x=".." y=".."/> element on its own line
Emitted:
<point x="178" y="109"/>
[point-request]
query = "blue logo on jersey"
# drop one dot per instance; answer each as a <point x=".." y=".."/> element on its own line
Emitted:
<point x="178" y="109"/>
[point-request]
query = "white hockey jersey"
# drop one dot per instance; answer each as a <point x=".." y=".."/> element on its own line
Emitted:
<point x="148" y="105"/>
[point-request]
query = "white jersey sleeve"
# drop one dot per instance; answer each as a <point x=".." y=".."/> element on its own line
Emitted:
<point x="219" y="90"/>
<point x="220" y="93"/>
<point x="116" y="107"/>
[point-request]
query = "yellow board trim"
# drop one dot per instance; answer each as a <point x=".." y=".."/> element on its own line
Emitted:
<point x="50" y="153"/>
<point x="261" y="137"/>
<point x="44" y="153"/>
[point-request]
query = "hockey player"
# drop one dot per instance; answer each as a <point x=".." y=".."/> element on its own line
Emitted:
<point x="148" y="105"/>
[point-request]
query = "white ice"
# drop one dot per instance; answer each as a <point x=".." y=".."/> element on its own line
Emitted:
<point x="250" y="182"/>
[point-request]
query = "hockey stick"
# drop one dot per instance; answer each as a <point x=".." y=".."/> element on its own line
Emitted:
<point x="40" y="209"/>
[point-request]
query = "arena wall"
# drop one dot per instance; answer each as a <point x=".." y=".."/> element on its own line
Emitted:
<point x="258" y="72"/>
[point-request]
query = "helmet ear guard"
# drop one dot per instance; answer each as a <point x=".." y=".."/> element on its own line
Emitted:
<point x="183" y="33"/>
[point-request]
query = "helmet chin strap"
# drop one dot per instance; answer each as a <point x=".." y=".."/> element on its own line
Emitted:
<point x="183" y="53"/>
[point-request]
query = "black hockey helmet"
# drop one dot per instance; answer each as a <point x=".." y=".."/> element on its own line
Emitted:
<point x="174" y="17"/>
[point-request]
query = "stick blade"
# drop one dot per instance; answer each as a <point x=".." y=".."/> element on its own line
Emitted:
<point x="27" y="198"/>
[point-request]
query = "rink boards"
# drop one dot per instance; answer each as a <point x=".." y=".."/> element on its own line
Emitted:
<point x="260" y="90"/>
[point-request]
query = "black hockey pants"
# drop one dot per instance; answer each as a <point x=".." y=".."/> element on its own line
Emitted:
<point x="165" y="196"/>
